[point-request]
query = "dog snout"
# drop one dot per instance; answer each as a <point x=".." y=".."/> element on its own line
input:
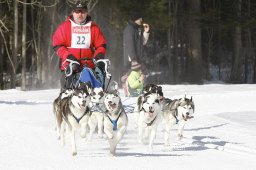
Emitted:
<point x="187" y="113"/>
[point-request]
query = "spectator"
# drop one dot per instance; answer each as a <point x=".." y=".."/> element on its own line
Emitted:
<point x="133" y="41"/>
<point x="135" y="80"/>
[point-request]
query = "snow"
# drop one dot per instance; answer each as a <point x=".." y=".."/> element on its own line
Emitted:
<point x="221" y="136"/>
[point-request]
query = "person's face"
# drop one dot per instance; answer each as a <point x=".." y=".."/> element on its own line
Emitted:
<point x="139" y="21"/>
<point x="79" y="16"/>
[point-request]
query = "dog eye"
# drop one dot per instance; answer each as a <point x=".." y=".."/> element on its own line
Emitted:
<point x="157" y="101"/>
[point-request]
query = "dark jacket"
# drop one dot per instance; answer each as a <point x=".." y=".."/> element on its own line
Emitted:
<point x="132" y="43"/>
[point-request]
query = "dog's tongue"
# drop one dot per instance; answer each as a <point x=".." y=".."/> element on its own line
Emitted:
<point x="113" y="106"/>
<point x="189" y="117"/>
<point x="151" y="114"/>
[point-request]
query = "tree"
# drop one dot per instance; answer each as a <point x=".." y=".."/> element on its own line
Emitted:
<point x="235" y="76"/>
<point x="23" y="55"/>
<point x="195" y="69"/>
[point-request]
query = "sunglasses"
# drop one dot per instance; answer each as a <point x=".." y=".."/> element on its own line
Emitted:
<point x="79" y="11"/>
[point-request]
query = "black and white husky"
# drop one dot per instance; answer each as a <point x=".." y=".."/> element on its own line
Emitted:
<point x="176" y="111"/>
<point x="115" y="120"/>
<point x="147" y="90"/>
<point x="74" y="113"/>
<point x="97" y="111"/>
<point x="149" y="119"/>
<point x="56" y="109"/>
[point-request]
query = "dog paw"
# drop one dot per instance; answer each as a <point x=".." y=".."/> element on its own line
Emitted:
<point x="83" y="135"/>
<point x="111" y="136"/>
<point x="167" y="145"/>
<point x="100" y="135"/>
<point x="180" y="136"/>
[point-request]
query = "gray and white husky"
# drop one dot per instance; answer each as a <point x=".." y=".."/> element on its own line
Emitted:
<point x="97" y="111"/>
<point x="74" y="113"/>
<point x="176" y="111"/>
<point x="115" y="120"/>
<point x="149" y="119"/>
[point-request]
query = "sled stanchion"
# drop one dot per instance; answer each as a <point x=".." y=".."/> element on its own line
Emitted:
<point x="110" y="77"/>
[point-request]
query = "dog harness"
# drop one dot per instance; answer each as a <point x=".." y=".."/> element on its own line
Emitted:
<point x="114" y="122"/>
<point x="78" y="119"/>
<point x="98" y="108"/>
<point x="150" y="123"/>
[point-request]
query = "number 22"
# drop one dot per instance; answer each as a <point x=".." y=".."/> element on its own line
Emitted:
<point x="80" y="40"/>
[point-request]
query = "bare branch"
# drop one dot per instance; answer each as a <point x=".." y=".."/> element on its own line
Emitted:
<point x="4" y="26"/>
<point x="7" y="51"/>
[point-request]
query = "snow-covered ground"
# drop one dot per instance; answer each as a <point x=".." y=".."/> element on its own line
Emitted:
<point x="221" y="136"/>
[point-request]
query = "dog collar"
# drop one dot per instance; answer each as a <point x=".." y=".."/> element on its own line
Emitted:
<point x="150" y="123"/>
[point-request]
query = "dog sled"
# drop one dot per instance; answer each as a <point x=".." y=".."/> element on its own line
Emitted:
<point x="97" y="77"/>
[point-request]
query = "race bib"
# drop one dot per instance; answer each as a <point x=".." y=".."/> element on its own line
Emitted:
<point x="80" y="35"/>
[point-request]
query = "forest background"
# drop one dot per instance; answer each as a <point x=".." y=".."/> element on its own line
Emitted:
<point x="191" y="41"/>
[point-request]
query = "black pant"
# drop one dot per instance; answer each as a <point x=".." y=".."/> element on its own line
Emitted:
<point x="68" y="82"/>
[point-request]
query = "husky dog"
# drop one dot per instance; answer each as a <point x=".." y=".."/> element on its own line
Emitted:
<point x="177" y="111"/>
<point x="56" y="108"/>
<point x="75" y="113"/>
<point x="152" y="88"/>
<point x="97" y="111"/>
<point x="115" y="120"/>
<point x="149" y="119"/>
<point x="147" y="90"/>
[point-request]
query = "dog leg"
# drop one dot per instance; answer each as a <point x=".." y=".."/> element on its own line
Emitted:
<point x="109" y="133"/>
<point x="136" y="116"/>
<point x="152" y="137"/>
<point x="100" y="119"/>
<point x="73" y="143"/>
<point x="62" y="133"/>
<point x="120" y="133"/>
<point x="181" y="128"/>
<point x="112" y="145"/>
<point x="84" y="126"/>
<point x="167" y="135"/>
<point x="58" y="123"/>
<point x="108" y="128"/>
<point x="92" y="124"/>
<point x="141" y="133"/>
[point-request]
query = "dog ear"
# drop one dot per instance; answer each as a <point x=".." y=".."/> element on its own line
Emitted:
<point x="89" y="87"/>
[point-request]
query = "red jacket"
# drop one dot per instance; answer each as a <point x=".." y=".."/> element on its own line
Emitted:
<point x="62" y="44"/>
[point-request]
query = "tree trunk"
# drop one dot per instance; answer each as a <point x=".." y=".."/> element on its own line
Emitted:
<point x="24" y="33"/>
<point x="38" y="54"/>
<point x="195" y="68"/>
<point x="237" y="42"/>
<point x="15" y="45"/>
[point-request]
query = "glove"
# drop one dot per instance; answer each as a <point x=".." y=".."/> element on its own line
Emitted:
<point x="101" y="66"/>
<point x="73" y="66"/>
<point x="99" y="56"/>
<point x="71" y="57"/>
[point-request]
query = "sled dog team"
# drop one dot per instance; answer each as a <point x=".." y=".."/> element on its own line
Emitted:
<point x="85" y="107"/>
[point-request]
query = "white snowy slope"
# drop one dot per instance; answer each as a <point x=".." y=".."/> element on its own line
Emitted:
<point x="221" y="136"/>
